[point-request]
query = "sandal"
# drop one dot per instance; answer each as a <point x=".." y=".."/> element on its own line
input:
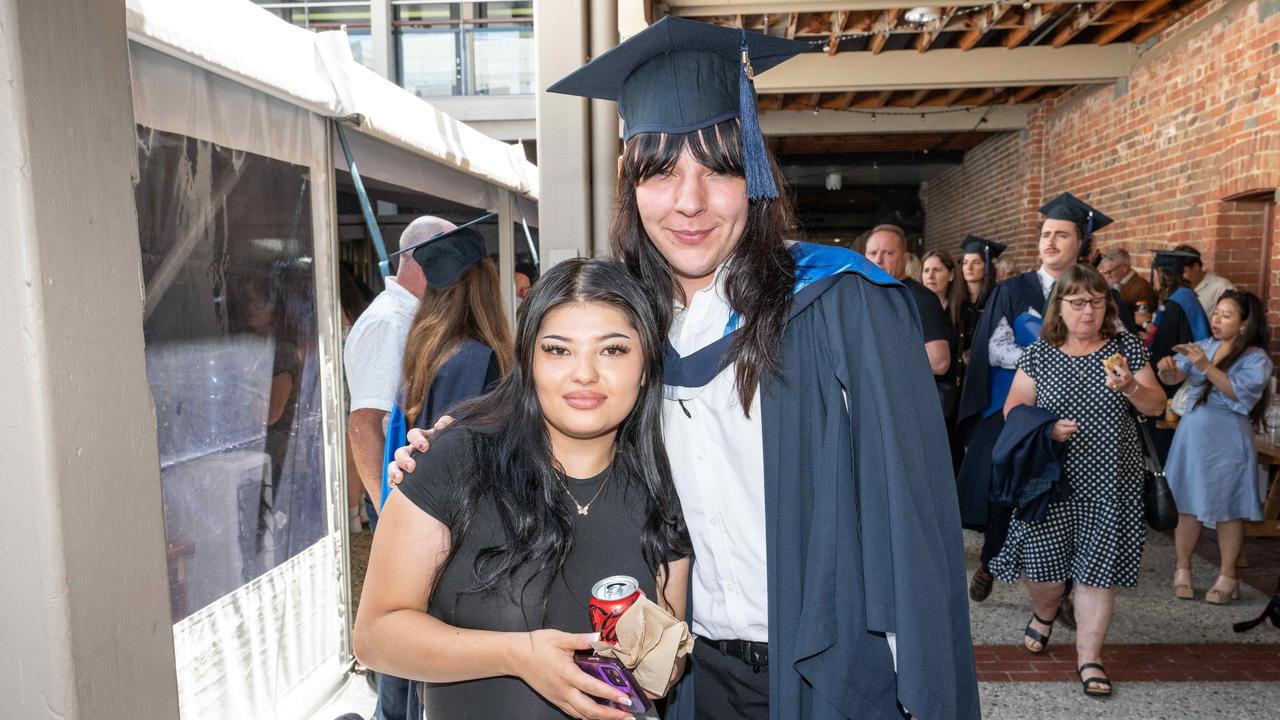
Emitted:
<point x="1182" y="588"/>
<point x="980" y="585"/>
<point x="1094" y="686"/>
<point x="1034" y="635"/>
<point x="1216" y="596"/>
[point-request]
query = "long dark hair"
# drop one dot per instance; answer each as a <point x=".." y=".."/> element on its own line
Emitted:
<point x="957" y="291"/>
<point x="515" y="469"/>
<point x="447" y="317"/>
<point x="988" y="279"/>
<point x="759" y="273"/>
<point x="1170" y="281"/>
<point x="1253" y="334"/>
<point x="1077" y="279"/>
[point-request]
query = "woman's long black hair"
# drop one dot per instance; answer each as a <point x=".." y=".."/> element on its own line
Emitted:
<point x="515" y="468"/>
<point x="759" y="273"/>
<point x="1253" y="334"/>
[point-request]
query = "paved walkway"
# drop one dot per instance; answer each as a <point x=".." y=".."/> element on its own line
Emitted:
<point x="1169" y="658"/>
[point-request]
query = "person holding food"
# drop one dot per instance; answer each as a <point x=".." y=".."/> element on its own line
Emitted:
<point x="1093" y="376"/>
<point x="1212" y="467"/>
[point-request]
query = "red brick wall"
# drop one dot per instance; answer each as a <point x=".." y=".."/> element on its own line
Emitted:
<point x="1196" y="122"/>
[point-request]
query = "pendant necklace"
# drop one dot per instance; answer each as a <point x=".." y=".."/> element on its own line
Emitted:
<point x="583" y="509"/>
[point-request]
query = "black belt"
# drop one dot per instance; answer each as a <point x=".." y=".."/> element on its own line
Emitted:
<point x="755" y="654"/>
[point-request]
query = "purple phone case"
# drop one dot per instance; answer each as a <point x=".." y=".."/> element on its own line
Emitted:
<point x="613" y="673"/>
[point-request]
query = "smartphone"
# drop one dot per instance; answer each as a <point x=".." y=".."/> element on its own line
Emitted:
<point x="613" y="673"/>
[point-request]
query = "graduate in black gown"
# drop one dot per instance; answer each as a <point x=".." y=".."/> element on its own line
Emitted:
<point x="1010" y="322"/>
<point x="801" y="399"/>
<point x="1179" y="319"/>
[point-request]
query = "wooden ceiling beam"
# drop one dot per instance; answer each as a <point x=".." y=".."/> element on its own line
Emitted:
<point x="882" y="98"/>
<point x="890" y="21"/>
<point x="1025" y="94"/>
<point x="925" y="39"/>
<point x="983" y="24"/>
<point x="792" y="20"/>
<point x="1137" y="15"/>
<point x="1083" y="19"/>
<point x="1033" y="19"/>
<point x="839" y="21"/>
<point x="952" y="96"/>
<point x="919" y="96"/>
<point x="1160" y="25"/>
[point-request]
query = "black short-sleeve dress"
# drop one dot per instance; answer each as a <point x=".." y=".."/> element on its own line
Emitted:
<point x="1096" y="535"/>
<point x="606" y="541"/>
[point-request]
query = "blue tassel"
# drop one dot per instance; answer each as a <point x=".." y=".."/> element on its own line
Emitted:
<point x="755" y="158"/>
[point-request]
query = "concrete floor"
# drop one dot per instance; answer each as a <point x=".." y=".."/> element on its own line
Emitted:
<point x="1145" y="615"/>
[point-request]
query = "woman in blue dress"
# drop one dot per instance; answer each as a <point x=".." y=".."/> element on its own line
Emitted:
<point x="1212" y="467"/>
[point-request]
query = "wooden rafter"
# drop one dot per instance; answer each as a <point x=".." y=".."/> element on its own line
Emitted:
<point x="984" y="97"/>
<point x="1025" y="94"/>
<point x="793" y="19"/>
<point x="925" y="39"/>
<point x="839" y="21"/>
<point x="1163" y="23"/>
<point x="982" y="24"/>
<point x="882" y="98"/>
<point x="918" y="97"/>
<point x="952" y="96"/>
<point x="890" y="21"/>
<point x="1137" y="15"/>
<point x="1083" y="19"/>
<point x="770" y="102"/>
<point x="1034" y="18"/>
<point x="839" y="101"/>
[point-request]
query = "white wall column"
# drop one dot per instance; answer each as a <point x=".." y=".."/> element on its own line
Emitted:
<point x="564" y="206"/>
<point x="85" y="612"/>
<point x="380" y="14"/>
<point x="604" y="131"/>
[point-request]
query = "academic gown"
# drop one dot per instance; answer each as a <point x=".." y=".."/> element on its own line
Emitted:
<point x="862" y="533"/>
<point x="1020" y="300"/>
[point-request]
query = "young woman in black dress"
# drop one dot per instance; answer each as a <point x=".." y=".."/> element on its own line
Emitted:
<point x="483" y="564"/>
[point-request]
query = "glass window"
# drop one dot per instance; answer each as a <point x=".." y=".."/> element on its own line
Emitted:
<point x="231" y="350"/>
<point x="503" y="59"/>
<point x="361" y="46"/>
<point x="429" y="48"/>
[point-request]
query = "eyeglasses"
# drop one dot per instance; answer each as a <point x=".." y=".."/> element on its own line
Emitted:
<point x="1078" y="303"/>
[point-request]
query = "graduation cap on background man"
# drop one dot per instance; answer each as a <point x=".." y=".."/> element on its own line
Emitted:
<point x="988" y="249"/>
<point x="446" y="255"/>
<point x="677" y="76"/>
<point x="1086" y="218"/>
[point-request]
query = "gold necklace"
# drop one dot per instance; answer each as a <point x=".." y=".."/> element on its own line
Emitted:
<point x="583" y="509"/>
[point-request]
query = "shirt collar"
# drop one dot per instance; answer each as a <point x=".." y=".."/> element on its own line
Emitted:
<point x="1128" y="277"/>
<point x="1047" y="281"/>
<point x="716" y="287"/>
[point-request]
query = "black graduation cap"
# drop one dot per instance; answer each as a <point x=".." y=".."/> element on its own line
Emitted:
<point x="445" y="256"/>
<point x="989" y="249"/>
<point x="1173" y="260"/>
<point x="677" y="76"/>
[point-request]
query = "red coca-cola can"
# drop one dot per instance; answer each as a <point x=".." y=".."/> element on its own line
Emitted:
<point x="610" y="598"/>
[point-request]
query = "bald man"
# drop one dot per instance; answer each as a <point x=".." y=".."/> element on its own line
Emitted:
<point x="374" y="355"/>
<point x="373" y="359"/>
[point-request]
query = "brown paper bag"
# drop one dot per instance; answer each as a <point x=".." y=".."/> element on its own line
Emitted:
<point x="650" y="640"/>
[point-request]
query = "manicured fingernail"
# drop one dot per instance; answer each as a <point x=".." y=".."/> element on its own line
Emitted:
<point x="624" y="700"/>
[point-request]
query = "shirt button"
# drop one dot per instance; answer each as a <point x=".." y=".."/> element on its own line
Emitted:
<point x="715" y="521"/>
<point x="731" y="587"/>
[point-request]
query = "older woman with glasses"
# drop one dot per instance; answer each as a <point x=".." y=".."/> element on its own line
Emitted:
<point x="1092" y="377"/>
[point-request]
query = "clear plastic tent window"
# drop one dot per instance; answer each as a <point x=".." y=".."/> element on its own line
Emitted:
<point x="231" y="348"/>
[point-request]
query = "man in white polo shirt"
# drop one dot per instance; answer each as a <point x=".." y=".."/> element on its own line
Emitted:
<point x="374" y="357"/>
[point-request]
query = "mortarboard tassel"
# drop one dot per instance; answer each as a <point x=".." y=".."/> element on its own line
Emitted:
<point x="1087" y="237"/>
<point x="755" y="159"/>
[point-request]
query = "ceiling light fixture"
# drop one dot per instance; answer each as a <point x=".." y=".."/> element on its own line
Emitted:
<point x="922" y="15"/>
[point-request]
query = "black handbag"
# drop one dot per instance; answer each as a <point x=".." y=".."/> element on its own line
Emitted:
<point x="1157" y="499"/>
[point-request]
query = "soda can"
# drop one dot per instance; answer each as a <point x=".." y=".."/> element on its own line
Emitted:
<point x="610" y="598"/>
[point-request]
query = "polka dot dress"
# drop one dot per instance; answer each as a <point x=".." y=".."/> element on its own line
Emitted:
<point x="1095" y="535"/>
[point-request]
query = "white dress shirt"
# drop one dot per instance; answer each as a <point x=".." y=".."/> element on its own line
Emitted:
<point x="717" y="462"/>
